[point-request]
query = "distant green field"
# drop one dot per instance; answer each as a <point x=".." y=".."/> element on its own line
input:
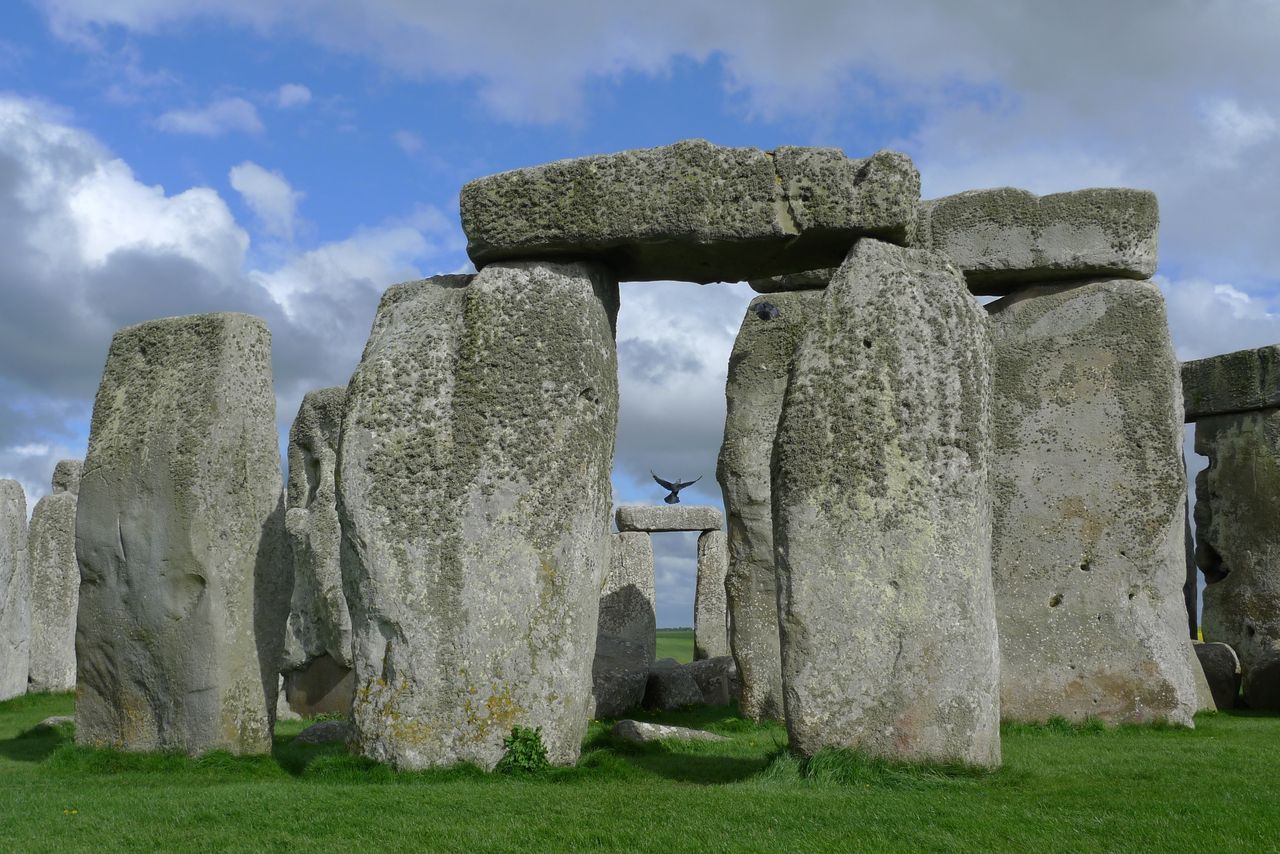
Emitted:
<point x="676" y="643"/>
<point x="1061" y="789"/>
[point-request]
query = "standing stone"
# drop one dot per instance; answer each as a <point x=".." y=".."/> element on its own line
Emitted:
<point x="1089" y="497"/>
<point x="1205" y="701"/>
<point x="1190" y="593"/>
<point x="1221" y="670"/>
<point x="626" y="631"/>
<point x="758" y="371"/>
<point x="15" y="591"/>
<point x="473" y="488"/>
<point x="881" y="518"/>
<point x="317" y="652"/>
<point x="710" y="618"/>
<point x="179" y="533"/>
<point x="55" y="583"/>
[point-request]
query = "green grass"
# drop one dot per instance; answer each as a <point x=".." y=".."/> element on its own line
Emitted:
<point x="1062" y="788"/>
<point x="676" y="643"/>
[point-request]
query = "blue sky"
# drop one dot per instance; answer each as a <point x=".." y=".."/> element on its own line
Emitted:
<point x="293" y="158"/>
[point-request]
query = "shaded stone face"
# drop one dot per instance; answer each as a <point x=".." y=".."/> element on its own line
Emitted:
<point x="693" y="211"/>
<point x="1089" y="498"/>
<point x="626" y="632"/>
<point x="758" y="371"/>
<point x="1221" y="670"/>
<point x="15" y="591"/>
<point x="474" y="494"/>
<point x="179" y="535"/>
<point x="881" y="518"/>
<point x="55" y="583"/>
<point x="1238" y="544"/>
<point x="656" y="518"/>
<point x="710" y="618"/>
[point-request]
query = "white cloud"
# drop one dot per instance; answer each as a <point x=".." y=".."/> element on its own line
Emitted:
<point x="273" y="201"/>
<point x="292" y="95"/>
<point x="227" y="115"/>
<point x="1207" y="318"/>
<point x="409" y="142"/>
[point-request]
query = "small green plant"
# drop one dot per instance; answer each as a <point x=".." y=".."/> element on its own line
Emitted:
<point x="526" y="754"/>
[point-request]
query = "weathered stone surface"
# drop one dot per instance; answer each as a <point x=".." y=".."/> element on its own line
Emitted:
<point x="473" y="488"/>
<point x="626" y="628"/>
<point x="15" y="591"/>
<point x="641" y="732"/>
<point x="1089" y="497"/>
<point x="717" y="679"/>
<point x="179" y="534"/>
<point x="1221" y="670"/>
<point x="710" y="617"/>
<point x="324" y="732"/>
<point x="671" y="686"/>
<point x="1004" y="238"/>
<point x="693" y="211"/>
<point x="55" y="583"/>
<point x="54" y="722"/>
<point x="881" y="518"/>
<point x="659" y="518"/>
<point x="319" y="623"/>
<point x="1238" y="544"/>
<point x="758" y="371"/>
<point x="1243" y="381"/>
<point x="806" y="281"/>
<point x="1204" y="693"/>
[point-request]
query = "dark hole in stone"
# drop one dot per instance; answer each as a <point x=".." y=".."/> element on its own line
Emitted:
<point x="1084" y="567"/>
<point x="1250" y="630"/>
<point x="866" y="342"/>
<point x="1055" y="600"/>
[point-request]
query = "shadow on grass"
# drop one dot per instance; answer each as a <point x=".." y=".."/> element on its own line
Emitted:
<point x="37" y="743"/>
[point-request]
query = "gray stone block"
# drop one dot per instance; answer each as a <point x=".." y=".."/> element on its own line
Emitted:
<point x="1089" y="498"/>
<point x="1243" y="381"/>
<point x="1004" y="238"/>
<point x="15" y="591"/>
<point x="758" y="371"/>
<point x="642" y="733"/>
<point x="671" y="686"/>
<point x="710" y="617"/>
<point x="179" y="534"/>
<point x="1204" y="693"/>
<point x="881" y="518"/>
<point x="658" y="518"/>
<point x="55" y="583"/>
<point x="1221" y="670"/>
<point x="472" y="564"/>
<point x="807" y="280"/>
<point x="717" y="679"/>
<point x="626" y="628"/>
<point x="693" y="211"/>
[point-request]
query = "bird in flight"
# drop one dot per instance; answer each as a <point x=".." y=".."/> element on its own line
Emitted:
<point x="674" y="497"/>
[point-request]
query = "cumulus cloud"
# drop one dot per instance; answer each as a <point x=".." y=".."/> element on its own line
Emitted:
<point x="271" y="198"/>
<point x="292" y="95"/>
<point x="227" y="115"/>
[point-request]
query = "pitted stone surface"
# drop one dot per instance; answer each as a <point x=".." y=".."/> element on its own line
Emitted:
<point x="717" y="679"/>
<point x="808" y="280"/>
<point x="659" y="518"/>
<point x="881" y="518"/>
<point x="626" y="631"/>
<point x="319" y="623"/>
<point x="473" y="488"/>
<point x="1005" y="238"/>
<point x="1242" y="381"/>
<point x="1238" y="544"/>
<point x="693" y="211"/>
<point x="1221" y="670"/>
<point x="710" y="617"/>
<point x="758" y="371"/>
<point x="671" y="686"/>
<point x="55" y="583"/>
<point x="15" y="591"/>
<point x="179" y="534"/>
<point x="1088" y="496"/>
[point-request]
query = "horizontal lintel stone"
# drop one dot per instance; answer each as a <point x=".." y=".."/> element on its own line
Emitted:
<point x="1243" y="381"/>
<point x="659" y="519"/>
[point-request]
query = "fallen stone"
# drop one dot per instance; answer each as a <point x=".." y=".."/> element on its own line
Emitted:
<point x="1221" y="670"/>
<point x="717" y="679"/>
<point x="179" y="533"/>
<point x="1089" y="497"/>
<point x="1238" y="544"/>
<point x="758" y="371"/>
<point x="806" y="281"/>
<point x="53" y="723"/>
<point x="1243" y="381"/>
<point x="671" y="686"/>
<point x="710" y="618"/>
<point x="642" y="733"/>
<point x="881" y="518"/>
<point x="1005" y="238"/>
<point x="626" y="628"/>
<point x="324" y="732"/>
<point x="15" y="591"/>
<point x="55" y="583"/>
<point x="692" y="211"/>
<point x="317" y="652"/>
<point x="655" y="518"/>
<point x="475" y="563"/>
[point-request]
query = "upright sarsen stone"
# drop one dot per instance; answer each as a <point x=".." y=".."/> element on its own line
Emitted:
<point x="881" y="518"/>
<point x="15" y="591"/>
<point x="758" y="371"/>
<point x="1089" y="497"/>
<point x="473" y="488"/>
<point x="710" y="618"/>
<point x="179" y="534"/>
<point x="626" y="633"/>
<point x="55" y="583"/>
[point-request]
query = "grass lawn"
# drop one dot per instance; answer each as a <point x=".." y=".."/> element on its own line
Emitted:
<point x="676" y="643"/>
<point x="1212" y="789"/>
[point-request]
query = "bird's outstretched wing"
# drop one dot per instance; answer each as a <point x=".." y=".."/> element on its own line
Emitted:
<point x="683" y="484"/>
<point x="663" y="483"/>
